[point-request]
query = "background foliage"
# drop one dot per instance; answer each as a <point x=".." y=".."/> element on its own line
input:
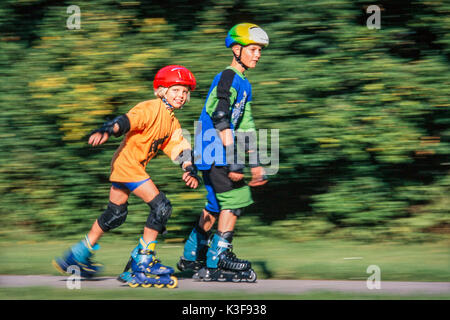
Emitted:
<point x="363" y="114"/>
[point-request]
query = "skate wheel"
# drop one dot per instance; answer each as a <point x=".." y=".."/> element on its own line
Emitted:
<point x="236" y="278"/>
<point x="252" y="277"/>
<point x="146" y="285"/>
<point x="173" y="283"/>
<point x="133" y="284"/>
<point x="206" y="279"/>
<point x="222" y="278"/>
<point x="159" y="285"/>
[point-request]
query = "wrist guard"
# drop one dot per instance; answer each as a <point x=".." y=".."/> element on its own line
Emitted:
<point x="108" y="127"/>
<point x="193" y="172"/>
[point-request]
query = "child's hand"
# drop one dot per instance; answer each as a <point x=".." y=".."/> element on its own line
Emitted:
<point x="258" y="177"/>
<point x="98" y="138"/>
<point x="191" y="181"/>
<point x="236" y="172"/>
<point x="235" y="176"/>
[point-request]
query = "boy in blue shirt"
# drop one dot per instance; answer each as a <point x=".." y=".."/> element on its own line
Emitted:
<point x="225" y="115"/>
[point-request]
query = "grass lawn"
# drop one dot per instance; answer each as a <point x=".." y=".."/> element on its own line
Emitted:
<point x="47" y="293"/>
<point x="271" y="258"/>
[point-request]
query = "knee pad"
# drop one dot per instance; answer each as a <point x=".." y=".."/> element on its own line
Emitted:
<point x="160" y="211"/>
<point x="113" y="216"/>
<point x="237" y="212"/>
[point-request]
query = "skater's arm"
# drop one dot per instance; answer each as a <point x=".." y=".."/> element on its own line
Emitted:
<point x="221" y="99"/>
<point x="136" y="119"/>
<point x="179" y="150"/>
<point x="220" y="115"/>
<point x="118" y="126"/>
<point x="190" y="175"/>
<point x="219" y="104"/>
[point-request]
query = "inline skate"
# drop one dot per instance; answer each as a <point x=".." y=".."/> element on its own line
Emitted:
<point x="146" y="270"/>
<point x="223" y="265"/>
<point x="194" y="255"/>
<point x="80" y="256"/>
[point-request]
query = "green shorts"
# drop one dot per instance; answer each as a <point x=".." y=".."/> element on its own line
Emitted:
<point x="223" y="193"/>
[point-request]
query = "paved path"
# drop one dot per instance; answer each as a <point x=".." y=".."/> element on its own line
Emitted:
<point x="261" y="286"/>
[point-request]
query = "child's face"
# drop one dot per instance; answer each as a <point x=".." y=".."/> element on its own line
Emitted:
<point x="177" y="95"/>
<point x="250" y="55"/>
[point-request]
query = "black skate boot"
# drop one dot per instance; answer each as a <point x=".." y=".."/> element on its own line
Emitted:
<point x="223" y="265"/>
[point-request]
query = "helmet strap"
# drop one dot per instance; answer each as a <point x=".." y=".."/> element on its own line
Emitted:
<point x="238" y="58"/>
<point x="169" y="107"/>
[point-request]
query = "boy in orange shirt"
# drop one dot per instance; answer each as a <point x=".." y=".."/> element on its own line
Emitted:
<point x="148" y="127"/>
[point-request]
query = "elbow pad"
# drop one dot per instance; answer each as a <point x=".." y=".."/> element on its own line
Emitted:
<point x="220" y="120"/>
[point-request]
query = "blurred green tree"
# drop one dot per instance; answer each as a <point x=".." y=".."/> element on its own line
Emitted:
<point x="363" y="114"/>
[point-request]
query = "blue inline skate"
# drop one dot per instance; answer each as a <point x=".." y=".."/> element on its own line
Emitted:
<point x="194" y="255"/>
<point x="79" y="256"/>
<point x="146" y="270"/>
<point x="223" y="265"/>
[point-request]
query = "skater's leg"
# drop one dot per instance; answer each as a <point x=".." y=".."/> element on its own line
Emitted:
<point x="148" y="192"/>
<point x="95" y="233"/>
<point x="196" y="245"/>
<point x="211" y="211"/>
<point x="194" y="253"/>
<point x="221" y="241"/>
<point x="150" y="234"/>
<point x="206" y="221"/>
<point x="116" y="196"/>
<point x="227" y="221"/>
<point x="146" y="270"/>
<point x="81" y="253"/>
<point x="222" y="264"/>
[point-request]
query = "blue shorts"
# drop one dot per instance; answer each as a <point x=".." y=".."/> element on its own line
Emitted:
<point x="128" y="185"/>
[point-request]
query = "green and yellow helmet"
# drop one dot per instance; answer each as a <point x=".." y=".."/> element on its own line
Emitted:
<point x="246" y="34"/>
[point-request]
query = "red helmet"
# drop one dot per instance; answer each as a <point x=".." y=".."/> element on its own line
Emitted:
<point x="174" y="75"/>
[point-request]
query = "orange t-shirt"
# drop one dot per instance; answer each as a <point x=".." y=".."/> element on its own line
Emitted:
<point x="152" y="128"/>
